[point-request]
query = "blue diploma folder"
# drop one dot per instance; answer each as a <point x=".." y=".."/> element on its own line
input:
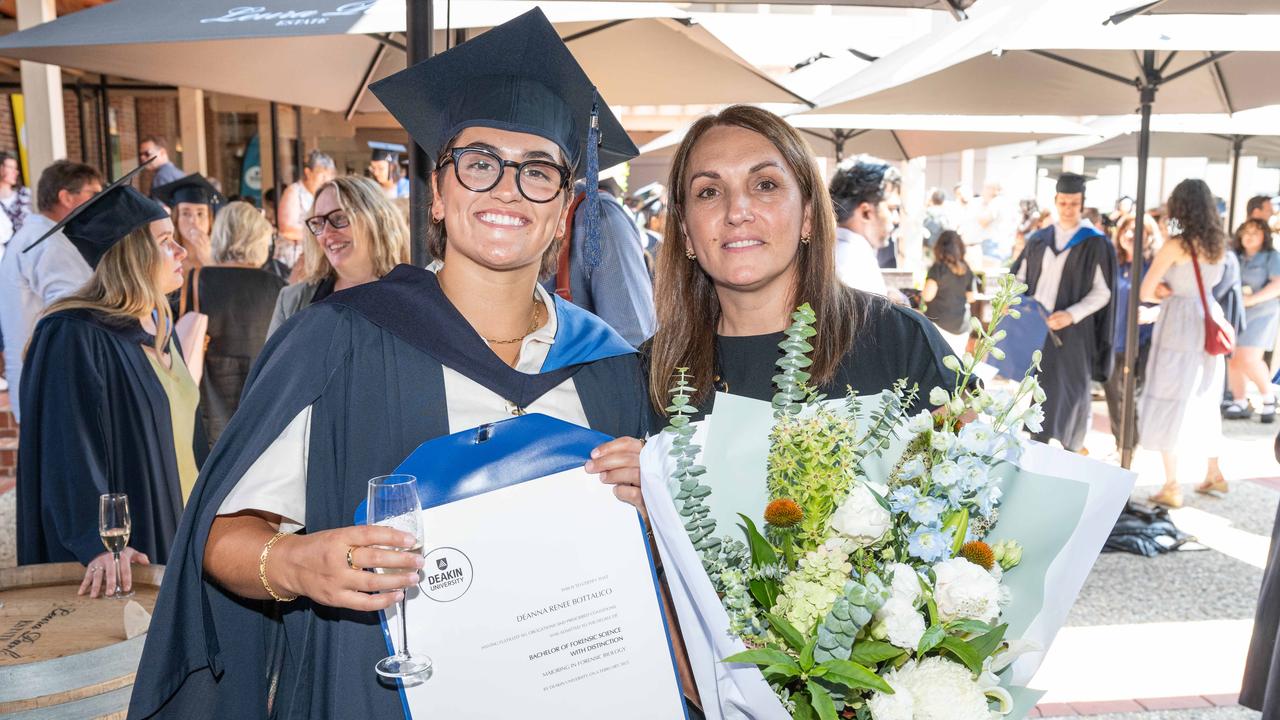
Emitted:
<point x="1023" y="336"/>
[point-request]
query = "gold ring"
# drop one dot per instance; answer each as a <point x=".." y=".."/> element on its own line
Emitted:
<point x="351" y="563"/>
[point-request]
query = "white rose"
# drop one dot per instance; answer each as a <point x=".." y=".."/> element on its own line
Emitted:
<point x="903" y="624"/>
<point x="861" y="517"/>
<point x="964" y="591"/>
<point x="905" y="583"/>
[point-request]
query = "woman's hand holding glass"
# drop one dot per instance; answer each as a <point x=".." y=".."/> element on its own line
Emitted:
<point x="315" y="566"/>
<point x="99" y="574"/>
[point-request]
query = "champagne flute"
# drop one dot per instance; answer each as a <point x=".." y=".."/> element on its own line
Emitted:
<point x="393" y="502"/>
<point x="114" y="527"/>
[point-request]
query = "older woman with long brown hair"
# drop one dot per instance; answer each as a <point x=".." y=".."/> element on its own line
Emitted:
<point x="750" y="236"/>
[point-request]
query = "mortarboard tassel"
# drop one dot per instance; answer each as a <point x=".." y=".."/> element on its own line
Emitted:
<point x="593" y="253"/>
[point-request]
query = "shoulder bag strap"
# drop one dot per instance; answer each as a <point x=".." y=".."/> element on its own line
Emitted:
<point x="1195" y="265"/>
<point x="195" y="289"/>
<point x="182" y="296"/>
<point x="562" y="260"/>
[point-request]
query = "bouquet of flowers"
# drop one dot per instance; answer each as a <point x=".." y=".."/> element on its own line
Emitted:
<point x="870" y="595"/>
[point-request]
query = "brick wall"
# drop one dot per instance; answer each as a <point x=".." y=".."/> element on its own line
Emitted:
<point x="8" y="442"/>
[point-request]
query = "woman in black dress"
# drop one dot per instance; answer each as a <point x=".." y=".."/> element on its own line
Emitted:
<point x="750" y="237"/>
<point x="948" y="290"/>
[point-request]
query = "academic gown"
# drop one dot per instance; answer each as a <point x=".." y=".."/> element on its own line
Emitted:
<point x="1085" y="352"/>
<point x="1261" y="687"/>
<point x="95" y="419"/>
<point x="368" y="361"/>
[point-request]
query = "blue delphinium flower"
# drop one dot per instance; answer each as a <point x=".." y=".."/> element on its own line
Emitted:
<point x="930" y="544"/>
<point x="977" y="438"/>
<point x="904" y="498"/>
<point x="973" y="472"/>
<point x="913" y="468"/>
<point x="946" y="474"/>
<point x="987" y="498"/>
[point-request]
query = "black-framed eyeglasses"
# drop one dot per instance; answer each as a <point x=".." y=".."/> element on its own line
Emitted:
<point x="336" y="218"/>
<point x="479" y="170"/>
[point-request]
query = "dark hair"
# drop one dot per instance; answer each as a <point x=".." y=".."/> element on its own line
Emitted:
<point x="1194" y="208"/>
<point x="159" y="141"/>
<point x="937" y="196"/>
<point x="688" y="307"/>
<point x="949" y="250"/>
<point x="62" y="175"/>
<point x="1256" y="202"/>
<point x="1237" y="240"/>
<point x="864" y="180"/>
<point x="1150" y="232"/>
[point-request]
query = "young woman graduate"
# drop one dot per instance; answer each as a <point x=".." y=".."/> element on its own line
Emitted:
<point x="193" y="201"/>
<point x="107" y="404"/>
<point x="351" y="385"/>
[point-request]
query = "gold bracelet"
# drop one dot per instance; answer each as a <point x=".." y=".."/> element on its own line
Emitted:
<point x="262" y="568"/>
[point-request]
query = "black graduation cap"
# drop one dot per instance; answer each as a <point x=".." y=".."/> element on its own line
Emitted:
<point x="1072" y="183"/>
<point x="386" y="151"/>
<point x="106" y="218"/>
<point x="193" y="188"/>
<point x="518" y="76"/>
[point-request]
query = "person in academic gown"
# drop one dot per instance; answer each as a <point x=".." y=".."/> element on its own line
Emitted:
<point x="1069" y="268"/>
<point x="106" y="405"/>
<point x="193" y="201"/>
<point x="347" y="388"/>
<point x="752" y="235"/>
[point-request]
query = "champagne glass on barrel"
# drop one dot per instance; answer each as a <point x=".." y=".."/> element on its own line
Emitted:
<point x="114" y="527"/>
<point x="393" y="502"/>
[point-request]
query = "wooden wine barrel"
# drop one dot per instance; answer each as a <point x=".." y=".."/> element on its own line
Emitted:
<point x="64" y="655"/>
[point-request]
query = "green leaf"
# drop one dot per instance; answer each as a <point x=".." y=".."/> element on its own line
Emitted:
<point x="873" y="652"/>
<point x="963" y="652"/>
<point x="786" y="631"/>
<point x="806" y="654"/>
<point x="761" y="656"/>
<point x="765" y="592"/>
<point x="783" y="669"/>
<point x="821" y="702"/>
<point x="855" y="676"/>
<point x="804" y="709"/>
<point x="931" y="639"/>
<point x="762" y="553"/>
<point x="988" y="643"/>
<point x="977" y="627"/>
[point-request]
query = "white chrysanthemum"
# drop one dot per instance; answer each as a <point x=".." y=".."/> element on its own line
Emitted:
<point x="936" y="689"/>
<point x="897" y="706"/>
<point x="965" y="591"/>
<point x="902" y="623"/>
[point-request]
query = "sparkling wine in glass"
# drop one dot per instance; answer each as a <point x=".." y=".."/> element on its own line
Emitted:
<point x="114" y="526"/>
<point x="393" y="502"/>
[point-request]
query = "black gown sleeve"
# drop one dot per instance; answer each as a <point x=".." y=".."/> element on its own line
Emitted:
<point x="64" y="440"/>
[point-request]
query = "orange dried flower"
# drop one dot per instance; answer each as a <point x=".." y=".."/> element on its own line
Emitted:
<point x="978" y="553"/>
<point x="783" y="513"/>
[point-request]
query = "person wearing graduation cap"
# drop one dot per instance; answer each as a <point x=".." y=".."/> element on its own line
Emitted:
<point x="107" y="402"/>
<point x="348" y="387"/>
<point x="193" y="201"/>
<point x="1068" y="268"/>
<point x="384" y="168"/>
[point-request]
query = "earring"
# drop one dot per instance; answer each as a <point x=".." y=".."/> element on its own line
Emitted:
<point x="689" y="254"/>
<point x="805" y="239"/>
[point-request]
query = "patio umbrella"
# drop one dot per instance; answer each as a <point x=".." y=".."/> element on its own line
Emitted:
<point x="1217" y="137"/>
<point x="1198" y="7"/>
<point x="322" y="53"/>
<point x="903" y="137"/>
<point x="1056" y="57"/>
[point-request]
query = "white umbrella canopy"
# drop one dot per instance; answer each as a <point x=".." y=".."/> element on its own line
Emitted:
<point x="903" y="137"/>
<point x="1209" y="136"/>
<point x="322" y="53"/>
<point x="1025" y="56"/>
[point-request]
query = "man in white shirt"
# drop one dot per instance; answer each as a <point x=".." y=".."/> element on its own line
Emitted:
<point x="30" y="281"/>
<point x="866" y="195"/>
<point x="1068" y="269"/>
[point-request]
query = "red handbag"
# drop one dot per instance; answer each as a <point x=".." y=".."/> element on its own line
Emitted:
<point x="1219" y="337"/>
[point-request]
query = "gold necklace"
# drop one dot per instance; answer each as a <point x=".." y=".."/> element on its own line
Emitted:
<point x="533" y="325"/>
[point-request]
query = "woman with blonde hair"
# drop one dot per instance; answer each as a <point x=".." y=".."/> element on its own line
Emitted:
<point x="239" y="297"/>
<point x="750" y="236"/>
<point x="355" y="235"/>
<point x="108" y="404"/>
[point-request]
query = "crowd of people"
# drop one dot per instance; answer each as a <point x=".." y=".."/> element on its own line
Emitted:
<point x="188" y="349"/>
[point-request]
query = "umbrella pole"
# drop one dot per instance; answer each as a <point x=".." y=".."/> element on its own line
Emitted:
<point x="276" y="180"/>
<point x="1129" y="421"/>
<point x="104" y="129"/>
<point x="1237" y="145"/>
<point x="419" y="26"/>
